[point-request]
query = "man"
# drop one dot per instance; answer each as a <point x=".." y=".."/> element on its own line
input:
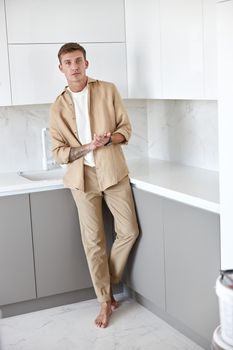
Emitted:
<point x="88" y="122"/>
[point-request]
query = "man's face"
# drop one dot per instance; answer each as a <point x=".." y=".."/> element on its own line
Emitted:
<point x="74" y="66"/>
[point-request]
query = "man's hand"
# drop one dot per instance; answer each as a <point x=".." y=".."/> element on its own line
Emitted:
<point x="99" y="140"/>
<point x="81" y="151"/>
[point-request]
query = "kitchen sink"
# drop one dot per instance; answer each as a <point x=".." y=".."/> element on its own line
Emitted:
<point x="44" y="175"/>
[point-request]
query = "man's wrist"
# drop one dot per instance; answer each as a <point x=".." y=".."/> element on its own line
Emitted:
<point x="109" y="141"/>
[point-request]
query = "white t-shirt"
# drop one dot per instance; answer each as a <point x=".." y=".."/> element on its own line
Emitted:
<point x="83" y="121"/>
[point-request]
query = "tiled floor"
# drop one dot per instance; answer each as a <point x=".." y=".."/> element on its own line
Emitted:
<point x="71" y="327"/>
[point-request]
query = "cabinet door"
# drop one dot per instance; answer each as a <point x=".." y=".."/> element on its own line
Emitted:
<point x="182" y="49"/>
<point x="210" y="49"/>
<point x="35" y="77"/>
<point x="58" y="21"/>
<point x="146" y="263"/>
<point x="17" y="280"/>
<point x="108" y="62"/>
<point x="5" y="95"/>
<point x="143" y="48"/>
<point x="60" y="262"/>
<point x="192" y="260"/>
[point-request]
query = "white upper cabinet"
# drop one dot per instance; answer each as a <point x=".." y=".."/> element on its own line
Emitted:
<point x="182" y="49"/>
<point x="5" y="94"/>
<point x="210" y="49"/>
<point x="171" y="49"/>
<point x="107" y="61"/>
<point x="57" y="21"/>
<point x="36" y="78"/>
<point x="36" y="31"/>
<point x="143" y="48"/>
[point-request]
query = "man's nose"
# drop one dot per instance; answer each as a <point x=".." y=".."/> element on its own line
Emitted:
<point x="74" y="66"/>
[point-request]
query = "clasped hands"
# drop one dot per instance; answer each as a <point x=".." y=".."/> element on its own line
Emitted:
<point x="99" y="140"/>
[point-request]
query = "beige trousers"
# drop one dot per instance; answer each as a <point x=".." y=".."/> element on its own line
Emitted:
<point x="105" y="270"/>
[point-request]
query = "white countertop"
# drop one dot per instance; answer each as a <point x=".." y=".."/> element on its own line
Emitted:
<point x="13" y="183"/>
<point x="189" y="185"/>
<point x="194" y="186"/>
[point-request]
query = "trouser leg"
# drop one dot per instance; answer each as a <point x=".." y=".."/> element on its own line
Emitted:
<point x="93" y="237"/>
<point x="120" y="201"/>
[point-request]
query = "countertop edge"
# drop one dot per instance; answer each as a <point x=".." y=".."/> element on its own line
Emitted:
<point x="40" y="186"/>
<point x="177" y="196"/>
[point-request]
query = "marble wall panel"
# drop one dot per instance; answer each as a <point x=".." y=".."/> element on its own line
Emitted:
<point x="20" y="135"/>
<point x="184" y="132"/>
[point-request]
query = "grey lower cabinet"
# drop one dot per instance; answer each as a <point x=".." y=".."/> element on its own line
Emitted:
<point x="176" y="262"/>
<point x="60" y="262"/>
<point x="146" y="262"/>
<point x="17" y="280"/>
<point x="192" y="258"/>
<point x="41" y="252"/>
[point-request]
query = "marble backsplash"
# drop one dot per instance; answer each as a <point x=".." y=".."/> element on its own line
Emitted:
<point x="21" y="143"/>
<point x="184" y="132"/>
<point x="138" y="144"/>
<point x="181" y="131"/>
<point x="20" y="140"/>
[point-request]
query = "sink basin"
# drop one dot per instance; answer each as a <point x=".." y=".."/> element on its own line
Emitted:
<point x="44" y="175"/>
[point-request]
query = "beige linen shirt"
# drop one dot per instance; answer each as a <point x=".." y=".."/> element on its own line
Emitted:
<point x="107" y="113"/>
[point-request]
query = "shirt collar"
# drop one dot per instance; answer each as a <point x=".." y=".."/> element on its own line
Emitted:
<point x="89" y="81"/>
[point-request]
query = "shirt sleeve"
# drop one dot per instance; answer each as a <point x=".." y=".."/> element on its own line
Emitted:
<point x="123" y="125"/>
<point x="60" y="148"/>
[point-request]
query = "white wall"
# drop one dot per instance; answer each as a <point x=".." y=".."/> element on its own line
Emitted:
<point x="225" y="84"/>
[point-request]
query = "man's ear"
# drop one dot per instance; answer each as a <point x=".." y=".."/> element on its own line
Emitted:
<point x="86" y="64"/>
<point x="60" y="67"/>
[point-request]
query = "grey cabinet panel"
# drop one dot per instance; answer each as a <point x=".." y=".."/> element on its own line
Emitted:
<point x="146" y="263"/>
<point x="60" y="262"/>
<point x="192" y="255"/>
<point x="17" y="282"/>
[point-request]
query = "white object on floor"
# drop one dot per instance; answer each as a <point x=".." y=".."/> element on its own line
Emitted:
<point x="71" y="327"/>
<point x="225" y="297"/>
<point x="218" y="342"/>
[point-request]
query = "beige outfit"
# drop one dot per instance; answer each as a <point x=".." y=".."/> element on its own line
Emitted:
<point x="89" y="185"/>
<point x="104" y="269"/>
<point x="107" y="113"/>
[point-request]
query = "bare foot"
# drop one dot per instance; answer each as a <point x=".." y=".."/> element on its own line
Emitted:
<point x="114" y="303"/>
<point x="102" y="319"/>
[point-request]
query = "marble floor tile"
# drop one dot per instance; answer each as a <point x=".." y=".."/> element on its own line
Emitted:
<point x="71" y="327"/>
